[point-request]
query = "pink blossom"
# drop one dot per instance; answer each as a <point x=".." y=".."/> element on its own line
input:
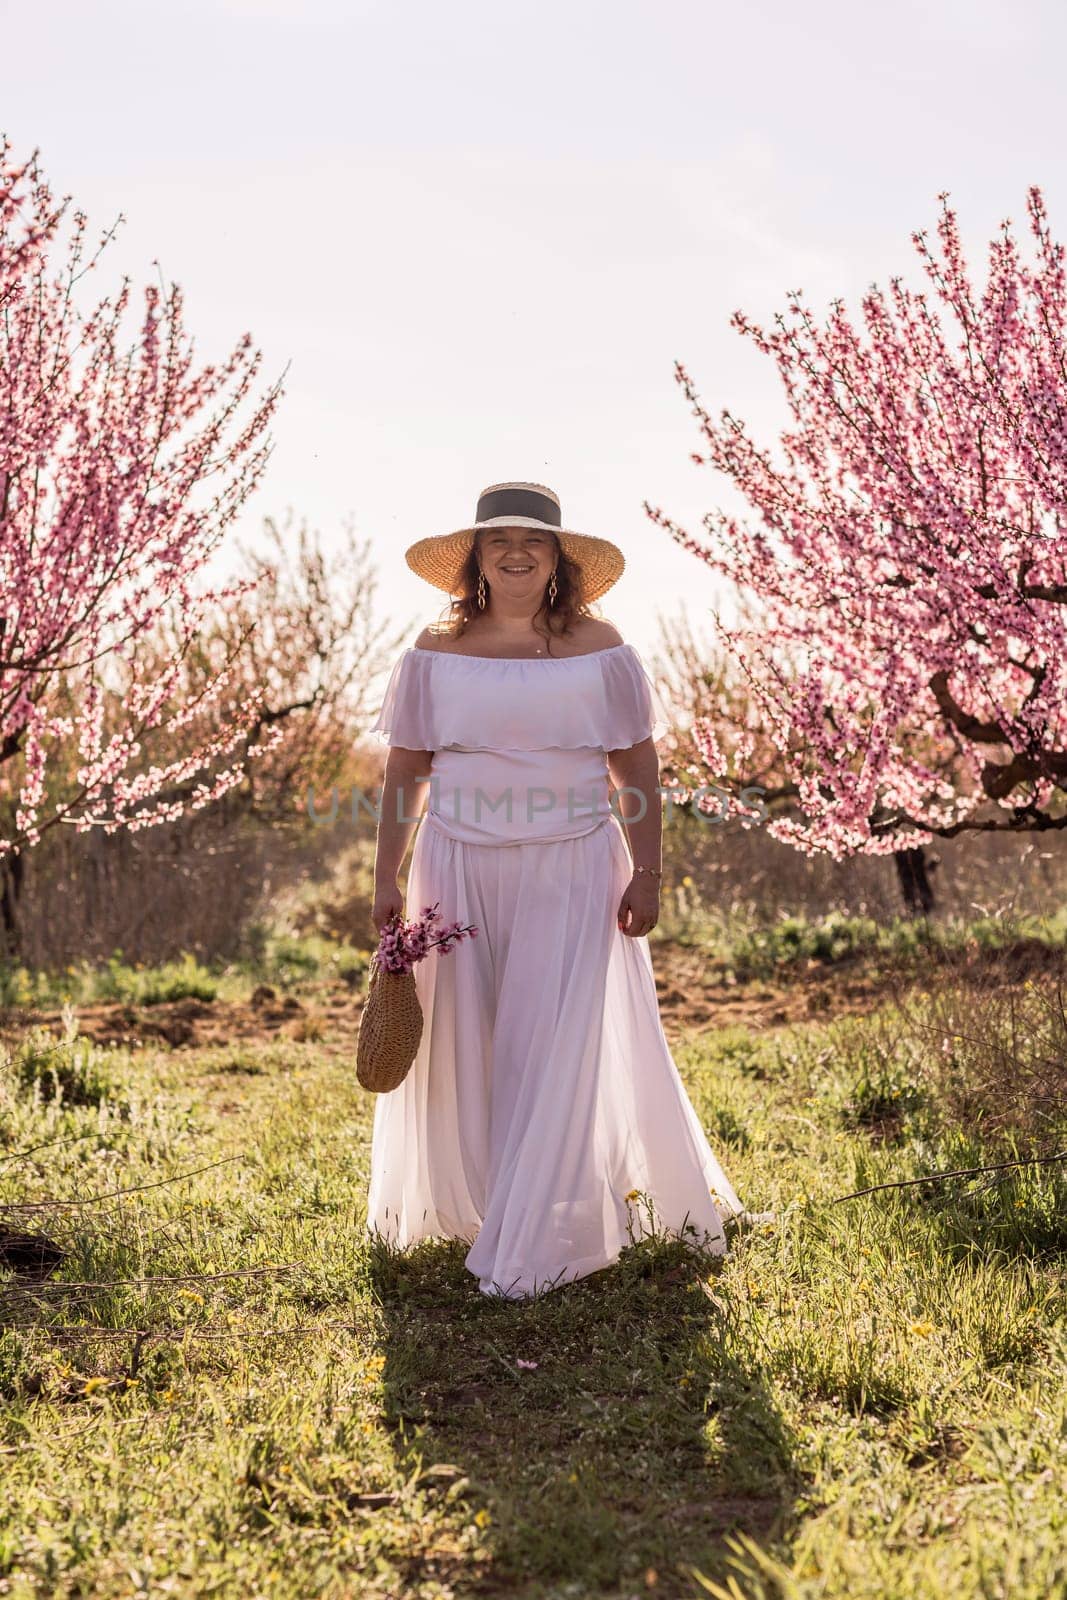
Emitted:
<point x="401" y="944"/>
<point x="906" y="553"/>
<point x="122" y="466"/>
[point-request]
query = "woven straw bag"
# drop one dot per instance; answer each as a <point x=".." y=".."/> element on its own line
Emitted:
<point x="390" y="1028"/>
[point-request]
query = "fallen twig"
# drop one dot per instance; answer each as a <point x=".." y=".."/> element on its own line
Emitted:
<point x="49" y="1144"/>
<point x="115" y="1194"/>
<point x="139" y="1283"/>
<point x="187" y="1331"/>
<point x="958" y="1172"/>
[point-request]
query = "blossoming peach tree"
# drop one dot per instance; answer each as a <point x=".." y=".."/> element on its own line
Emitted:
<point x="907" y="551"/>
<point x="121" y="467"/>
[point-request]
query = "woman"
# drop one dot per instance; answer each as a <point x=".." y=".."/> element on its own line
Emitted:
<point x="543" y="1120"/>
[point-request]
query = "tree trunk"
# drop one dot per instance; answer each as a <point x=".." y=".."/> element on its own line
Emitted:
<point x="913" y="874"/>
<point x="12" y="875"/>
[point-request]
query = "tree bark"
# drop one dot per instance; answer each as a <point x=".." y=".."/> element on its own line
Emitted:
<point x="12" y="875"/>
<point x="913" y="874"/>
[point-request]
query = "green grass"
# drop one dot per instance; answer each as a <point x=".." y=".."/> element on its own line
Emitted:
<point x="868" y="1399"/>
<point x="286" y="961"/>
<point x="749" y="946"/>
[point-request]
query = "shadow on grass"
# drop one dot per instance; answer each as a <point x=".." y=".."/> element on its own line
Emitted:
<point x="595" y="1432"/>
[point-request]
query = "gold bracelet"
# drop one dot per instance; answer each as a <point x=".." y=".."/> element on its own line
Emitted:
<point x="656" y="872"/>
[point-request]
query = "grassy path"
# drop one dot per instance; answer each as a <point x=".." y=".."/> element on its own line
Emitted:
<point x="869" y="1399"/>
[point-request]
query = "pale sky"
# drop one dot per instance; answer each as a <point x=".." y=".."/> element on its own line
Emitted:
<point x="481" y="233"/>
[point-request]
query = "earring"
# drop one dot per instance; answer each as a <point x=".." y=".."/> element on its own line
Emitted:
<point x="481" y="590"/>
<point x="552" y="588"/>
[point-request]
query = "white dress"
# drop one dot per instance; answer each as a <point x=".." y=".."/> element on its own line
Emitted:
<point x="544" y="1091"/>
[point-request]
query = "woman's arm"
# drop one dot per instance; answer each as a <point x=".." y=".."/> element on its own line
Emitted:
<point x="405" y="786"/>
<point x="635" y="773"/>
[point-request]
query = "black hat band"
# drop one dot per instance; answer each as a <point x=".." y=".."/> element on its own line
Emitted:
<point x="518" y="503"/>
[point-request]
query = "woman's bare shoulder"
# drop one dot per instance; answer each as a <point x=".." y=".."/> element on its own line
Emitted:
<point x="592" y="633"/>
<point x="600" y="634"/>
<point x="430" y="638"/>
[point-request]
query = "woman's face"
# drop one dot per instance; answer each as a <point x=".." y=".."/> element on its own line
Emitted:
<point x="517" y="561"/>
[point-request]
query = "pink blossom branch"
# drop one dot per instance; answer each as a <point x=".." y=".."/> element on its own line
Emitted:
<point x="908" y="551"/>
<point x="121" y="468"/>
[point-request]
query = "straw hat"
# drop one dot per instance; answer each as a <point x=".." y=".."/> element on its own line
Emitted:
<point x="440" y="557"/>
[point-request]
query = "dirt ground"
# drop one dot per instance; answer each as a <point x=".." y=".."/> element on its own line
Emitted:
<point x="693" y="997"/>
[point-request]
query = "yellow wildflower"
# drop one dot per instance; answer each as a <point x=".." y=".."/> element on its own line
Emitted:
<point x="921" y="1329"/>
<point x="482" y="1518"/>
<point x="93" y="1384"/>
<point x="634" y="1194"/>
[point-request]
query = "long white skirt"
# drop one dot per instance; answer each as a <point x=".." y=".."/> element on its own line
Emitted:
<point x="544" y="1091"/>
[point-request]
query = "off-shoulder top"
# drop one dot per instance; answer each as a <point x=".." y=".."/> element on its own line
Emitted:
<point x="519" y="746"/>
<point x="602" y="700"/>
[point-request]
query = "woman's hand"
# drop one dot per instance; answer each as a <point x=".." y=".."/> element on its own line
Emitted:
<point x="388" y="902"/>
<point x="639" y="904"/>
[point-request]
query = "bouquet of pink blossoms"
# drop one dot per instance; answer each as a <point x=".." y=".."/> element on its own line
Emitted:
<point x="402" y="944"/>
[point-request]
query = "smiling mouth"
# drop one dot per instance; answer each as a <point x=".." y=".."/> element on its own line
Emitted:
<point x="518" y="570"/>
